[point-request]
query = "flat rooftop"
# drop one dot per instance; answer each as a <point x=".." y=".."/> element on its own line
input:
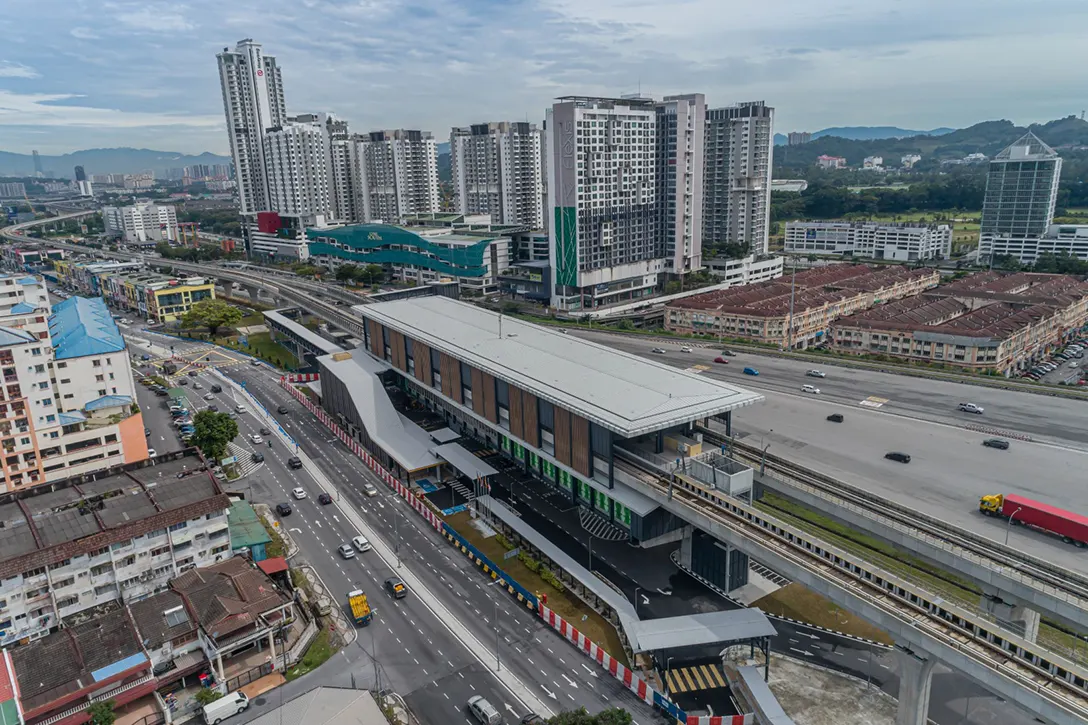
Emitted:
<point x="616" y="390"/>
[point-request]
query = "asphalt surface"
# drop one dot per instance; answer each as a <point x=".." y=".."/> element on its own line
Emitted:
<point x="406" y="646"/>
<point x="949" y="469"/>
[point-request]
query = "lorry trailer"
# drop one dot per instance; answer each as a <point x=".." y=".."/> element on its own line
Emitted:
<point x="361" y="612"/>
<point x="1073" y="528"/>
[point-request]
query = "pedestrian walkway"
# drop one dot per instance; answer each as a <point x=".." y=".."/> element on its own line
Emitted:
<point x="600" y="527"/>
<point x="694" y="678"/>
<point x="245" y="463"/>
<point x="464" y="490"/>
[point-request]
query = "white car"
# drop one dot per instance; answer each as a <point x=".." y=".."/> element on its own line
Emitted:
<point x="239" y="408"/>
<point x="298" y="493"/>
<point x="360" y="543"/>
<point x="658" y="351"/>
<point x="971" y="408"/>
<point x="810" y="389"/>
<point x="685" y="349"/>
<point x="370" y="490"/>
<point x="209" y="396"/>
<point x="256" y="439"/>
<point x="816" y="374"/>
<point x="151" y="452"/>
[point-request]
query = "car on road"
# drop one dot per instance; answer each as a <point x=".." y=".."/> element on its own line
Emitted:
<point x="999" y="443"/>
<point x="685" y="349"/>
<point x="729" y="353"/>
<point x="183" y="381"/>
<point x="255" y="439"/>
<point x="192" y="373"/>
<point x="209" y="396"/>
<point x="361" y="544"/>
<point x="835" y="417"/>
<point x="483" y="711"/>
<point x="810" y="389"/>
<point x="324" y="499"/>
<point x="298" y="493"/>
<point x="265" y="432"/>
<point x="283" y="509"/>
<point x="971" y="408"/>
<point x="257" y="457"/>
<point x="816" y="374"/>
<point x="395" y="586"/>
<point x="370" y="490"/>
<point x="151" y="452"/>
<point x="197" y="386"/>
<point x="897" y="456"/>
<point x="147" y="432"/>
<point x="254" y="362"/>
<point x="294" y="462"/>
<point x="658" y="350"/>
<point x="239" y="408"/>
<point x="161" y="392"/>
<point x="531" y="719"/>
<point x="721" y="360"/>
<point x="751" y="371"/>
<point x="345" y="551"/>
<point x="282" y="410"/>
<point x="213" y="408"/>
<point x="145" y="356"/>
<point x="217" y="388"/>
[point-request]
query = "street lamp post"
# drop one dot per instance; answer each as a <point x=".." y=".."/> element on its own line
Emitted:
<point x="396" y="535"/>
<point x="590" y="553"/>
<point x="1008" y="526"/>
<point x="668" y="670"/>
<point x="763" y="454"/>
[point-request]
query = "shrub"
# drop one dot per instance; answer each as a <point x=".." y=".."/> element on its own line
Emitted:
<point x="552" y="579"/>
<point x="503" y="541"/>
<point x="206" y="695"/>
<point x="530" y="563"/>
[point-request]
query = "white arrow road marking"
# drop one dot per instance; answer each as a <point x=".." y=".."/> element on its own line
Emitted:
<point x="587" y="669"/>
<point x="550" y="693"/>
<point x="801" y="652"/>
<point x="571" y="682"/>
<point x="335" y="519"/>
<point x="294" y="530"/>
<point x="507" y="706"/>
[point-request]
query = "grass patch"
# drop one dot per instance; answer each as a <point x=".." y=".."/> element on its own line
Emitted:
<point x="276" y="547"/>
<point x="320" y="650"/>
<point x="566" y="605"/>
<point x="797" y="602"/>
<point x="264" y="347"/>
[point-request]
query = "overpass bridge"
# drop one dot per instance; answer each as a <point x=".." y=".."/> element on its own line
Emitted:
<point x="925" y="627"/>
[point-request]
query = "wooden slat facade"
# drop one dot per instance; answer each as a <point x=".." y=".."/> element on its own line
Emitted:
<point x="478" y="400"/>
<point x="396" y="350"/>
<point x="531" y="420"/>
<point x="377" y="347"/>
<point x="562" y="435"/>
<point x="451" y="377"/>
<point x="515" y="412"/>
<point x="422" y="355"/>
<point x="487" y="395"/>
<point x="579" y="444"/>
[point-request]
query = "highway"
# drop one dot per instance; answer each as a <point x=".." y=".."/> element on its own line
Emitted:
<point x="949" y="468"/>
<point x="416" y="654"/>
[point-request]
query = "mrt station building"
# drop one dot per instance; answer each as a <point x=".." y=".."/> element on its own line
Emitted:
<point x="590" y="421"/>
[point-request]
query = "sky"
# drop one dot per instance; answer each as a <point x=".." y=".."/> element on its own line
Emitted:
<point x="78" y="74"/>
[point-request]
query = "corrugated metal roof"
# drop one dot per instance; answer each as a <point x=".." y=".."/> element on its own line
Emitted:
<point x="82" y="326"/>
<point x="108" y="401"/>
<point x="23" y="308"/>
<point x="12" y="336"/>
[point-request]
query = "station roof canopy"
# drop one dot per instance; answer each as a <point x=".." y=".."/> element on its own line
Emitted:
<point x="619" y="391"/>
<point x="460" y="458"/>
<point x="734" y="625"/>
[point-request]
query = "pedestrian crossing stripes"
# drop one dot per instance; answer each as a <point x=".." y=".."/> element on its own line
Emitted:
<point x="697" y="369"/>
<point x="600" y="527"/>
<point x="463" y="490"/>
<point x="692" y="679"/>
<point x="873" y="402"/>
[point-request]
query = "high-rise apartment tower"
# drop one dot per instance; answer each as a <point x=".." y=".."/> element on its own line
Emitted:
<point x="496" y="170"/>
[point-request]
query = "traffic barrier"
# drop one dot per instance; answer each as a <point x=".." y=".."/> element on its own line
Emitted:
<point x="524" y="596"/>
<point x="996" y="432"/>
<point x="302" y="377"/>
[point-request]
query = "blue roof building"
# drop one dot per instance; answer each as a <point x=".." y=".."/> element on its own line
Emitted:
<point x="13" y="336"/>
<point x="81" y="326"/>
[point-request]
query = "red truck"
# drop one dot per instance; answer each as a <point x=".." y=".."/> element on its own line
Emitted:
<point x="1073" y="528"/>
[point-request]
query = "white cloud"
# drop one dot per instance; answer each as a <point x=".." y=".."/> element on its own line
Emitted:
<point x="11" y="69"/>
<point x="84" y="33"/>
<point x="41" y="109"/>
<point x="155" y="19"/>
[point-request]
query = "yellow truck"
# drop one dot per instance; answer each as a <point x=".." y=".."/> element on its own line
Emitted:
<point x="360" y="607"/>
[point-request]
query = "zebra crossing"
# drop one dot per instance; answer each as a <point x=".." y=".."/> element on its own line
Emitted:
<point x="600" y="527"/>
<point x="245" y="464"/>
<point x="463" y="490"/>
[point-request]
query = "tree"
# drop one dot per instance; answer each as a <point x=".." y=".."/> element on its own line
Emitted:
<point x="372" y="273"/>
<point x="213" y="314"/>
<point x="213" y="431"/>
<point x="102" y="713"/>
<point x="206" y="695"/>
<point x="612" y="716"/>
<point x="347" y="272"/>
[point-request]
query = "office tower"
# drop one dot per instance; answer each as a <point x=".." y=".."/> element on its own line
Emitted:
<point x="496" y="170"/>
<point x="253" y="102"/>
<point x="796" y="138"/>
<point x="397" y="174"/>
<point x="82" y="183"/>
<point x="602" y="200"/>
<point x="81" y="175"/>
<point x="37" y="164"/>
<point x="1021" y="189"/>
<point x="737" y="192"/>
<point x="681" y="125"/>
<point x="297" y="167"/>
<point x="141" y="224"/>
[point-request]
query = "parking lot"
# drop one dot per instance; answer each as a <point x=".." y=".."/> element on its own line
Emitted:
<point x="1064" y="367"/>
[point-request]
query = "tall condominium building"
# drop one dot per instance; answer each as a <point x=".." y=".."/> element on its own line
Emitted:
<point x="397" y="174"/>
<point x="143" y="224"/>
<point x="605" y="243"/>
<point x="297" y="163"/>
<point x="12" y="190"/>
<point x="737" y="200"/>
<point x="1021" y="189"/>
<point x="496" y="169"/>
<point x="253" y="102"/>
<point x="82" y="183"/>
<point x="797" y="138"/>
<point x="681" y="122"/>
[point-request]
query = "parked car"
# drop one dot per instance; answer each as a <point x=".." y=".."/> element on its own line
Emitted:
<point x="897" y="456"/>
<point x="226" y="706"/>
<point x="283" y="509"/>
<point x="324" y="499"/>
<point x="298" y="493"/>
<point x="971" y="408"/>
<point x="361" y="544"/>
<point x="151" y="452"/>
<point x="996" y="443"/>
<point x="816" y="374"/>
<point x="147" y="432"/>
<point x="751" y="371"/>
<point x="345" y="551"/>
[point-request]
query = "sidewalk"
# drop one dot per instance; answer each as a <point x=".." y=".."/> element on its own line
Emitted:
<point x="265" y="512"/>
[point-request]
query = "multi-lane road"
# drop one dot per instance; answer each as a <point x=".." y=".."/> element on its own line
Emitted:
<point x="407" y="646"/>
<point x="949" y="469"/>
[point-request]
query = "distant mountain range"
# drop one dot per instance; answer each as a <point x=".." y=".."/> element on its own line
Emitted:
<point x="988" y="137"/>
<point x="866" y="133"/>
<point x="105" y="161"/>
